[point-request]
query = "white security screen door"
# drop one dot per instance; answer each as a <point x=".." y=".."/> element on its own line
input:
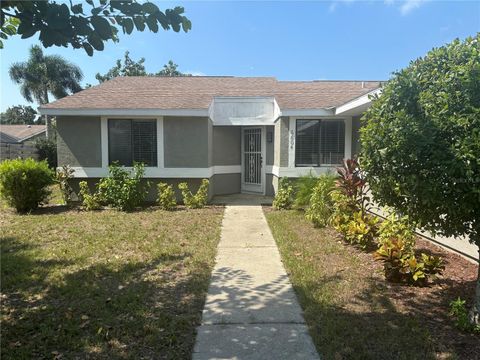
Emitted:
<point x="252" y="161"/>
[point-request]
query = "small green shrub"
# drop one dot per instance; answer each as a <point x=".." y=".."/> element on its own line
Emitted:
<point x="284" y="197"/>
<point x="166" y="196"/>
<point x="89" y="201"/>
<point x="343" y="209"/>
<point x="397" y="227"/>
<point x="459" y="311"/>
<point x="64" y="175"/>
<point x="320" y="206"/>
<point x="122" y="189"/>
<point x="303" y="188"/>
<point x="24" y="183"/>
<point x="197" y="201"/>
<point x="401" y="264"/>
<point x="47" y="150"/>
<point x="361" y="230"/>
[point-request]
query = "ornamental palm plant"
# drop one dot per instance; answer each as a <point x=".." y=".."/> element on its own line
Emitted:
<point x="42" y="75"/>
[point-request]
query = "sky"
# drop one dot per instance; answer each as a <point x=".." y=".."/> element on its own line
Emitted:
<point x="290" y="40"/>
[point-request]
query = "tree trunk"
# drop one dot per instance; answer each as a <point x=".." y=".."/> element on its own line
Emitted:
<point x="475" y="311"/>
<point x="48" y="122"/>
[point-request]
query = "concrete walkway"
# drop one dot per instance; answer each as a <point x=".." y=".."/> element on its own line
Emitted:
<point x="251" y="311"/>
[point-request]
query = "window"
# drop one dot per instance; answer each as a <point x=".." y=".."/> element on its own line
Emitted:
<point x="319" y="142"/>
<point x="132" y="141"/>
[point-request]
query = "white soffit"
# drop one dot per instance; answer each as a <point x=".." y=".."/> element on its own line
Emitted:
<point x="357" y="106"/>
<point x="243" y="110"/>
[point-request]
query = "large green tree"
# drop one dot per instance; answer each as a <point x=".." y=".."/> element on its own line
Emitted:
<point x="171" y="69"/>
<point x="421" y="143"/>
<point x="42" y="75"/>
<point x="86" y="25"/>
<point x="130" y="67"/>
<point x="19" y="114"/>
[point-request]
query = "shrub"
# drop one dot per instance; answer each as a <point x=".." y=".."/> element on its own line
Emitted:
<point x="397" y="227"/>
<point x="352" y="184"/>
<point x="361" y="230"/>
<point x="89" y="201"/>
<point x="321" y="204"/>
<point x="284" y="197"/>
<point x="24" y="183"/>
<point x="303" y="188"/>
<point x="123" y="189"/>
<point x="343" y="210"/>
<point x="166" y="196"/>
<point x="197" y="201"/>
<point x="459" y="311"/>
<point x="401" y="265"/>
<point x="47" y="150"/>
<point x="63" y="176"/>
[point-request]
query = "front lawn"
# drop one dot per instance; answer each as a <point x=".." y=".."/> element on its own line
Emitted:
<point x="353" y="313"/>
<point x="104" y="284"/>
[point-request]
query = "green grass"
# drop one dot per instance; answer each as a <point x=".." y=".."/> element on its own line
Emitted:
<point x="104" y="284"/>
<point x="346" y="307"/>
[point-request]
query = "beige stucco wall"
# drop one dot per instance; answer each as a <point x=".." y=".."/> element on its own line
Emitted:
<point x="281" y="138"/>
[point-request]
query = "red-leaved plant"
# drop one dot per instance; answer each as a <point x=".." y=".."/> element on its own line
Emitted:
<point x="352" y="184"/>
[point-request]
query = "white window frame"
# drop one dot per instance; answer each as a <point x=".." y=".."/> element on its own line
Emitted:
<point x="292" y="138"/>
<point x="104" y="139"/>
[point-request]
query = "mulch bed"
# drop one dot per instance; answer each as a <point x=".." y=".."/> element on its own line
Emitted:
<point x="431" y="304"/>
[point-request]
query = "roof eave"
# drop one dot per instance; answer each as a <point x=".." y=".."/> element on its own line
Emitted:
<point x="122" y="112"/>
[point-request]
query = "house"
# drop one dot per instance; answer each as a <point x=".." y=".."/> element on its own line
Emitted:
<point x="19" y="140"/>
<point x="243" y="134"/>
<point x="21" y="134"/>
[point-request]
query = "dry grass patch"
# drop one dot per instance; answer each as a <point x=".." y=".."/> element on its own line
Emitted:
<point x="105" y="284"/>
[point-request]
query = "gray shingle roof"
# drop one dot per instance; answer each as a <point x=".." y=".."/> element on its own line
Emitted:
<point x="197" y="92"/>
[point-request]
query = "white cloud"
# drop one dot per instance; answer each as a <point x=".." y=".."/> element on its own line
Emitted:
<point x="410" y="5"/>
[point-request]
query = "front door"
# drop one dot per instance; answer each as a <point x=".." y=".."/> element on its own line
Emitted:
<point x="252" y="159"/>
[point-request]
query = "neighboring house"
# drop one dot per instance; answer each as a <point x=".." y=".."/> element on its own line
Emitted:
<point x="241" y="133"/>
<point x="21" y="134"/>
<point x="19" y="140"/>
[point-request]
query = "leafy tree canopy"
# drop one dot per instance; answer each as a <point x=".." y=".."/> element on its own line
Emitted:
<point x="43" y="74"/>
<point x="421" y="140"/>
<point x="130" y="67"/>
<point x="170" y="69"/>
<point x="19" y="114"/>
<point x="85" y="25"/>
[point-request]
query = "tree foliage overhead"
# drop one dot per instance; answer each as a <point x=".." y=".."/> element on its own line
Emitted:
<point x="43" y="74"/>
<point x="170" y="69"/>
<point x="421" y="140"/>
<point x="19" y="114"/>
<point x="130" y="67"/>
<point x="85" y="25"/>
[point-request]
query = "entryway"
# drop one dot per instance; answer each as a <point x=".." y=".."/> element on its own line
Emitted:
<point x="253" y="155"/>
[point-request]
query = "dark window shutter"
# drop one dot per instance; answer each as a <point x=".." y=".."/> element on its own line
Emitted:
<point x="319" y="142"/>
<point x="120" y="141"/>
<point x="332" y="144"/>
<point x="145" y="142"/>
<point x="132" y="141"/>
<point x="307" y="143"/>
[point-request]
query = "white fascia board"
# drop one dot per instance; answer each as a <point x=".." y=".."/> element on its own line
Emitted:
<point x="307" y="112"/>
<point x="123" y="112"/>
<point x="156" y="172"/>
<point x="359" y="103"/>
